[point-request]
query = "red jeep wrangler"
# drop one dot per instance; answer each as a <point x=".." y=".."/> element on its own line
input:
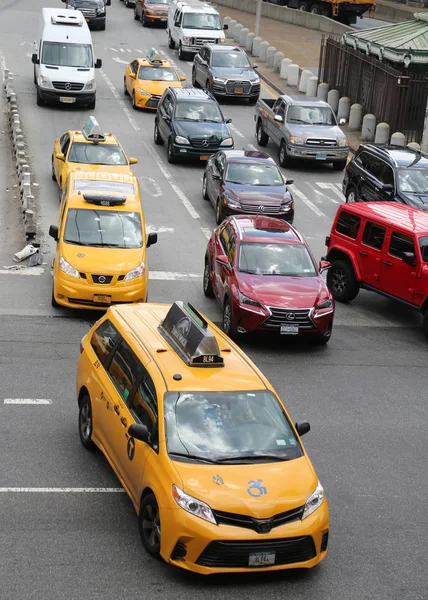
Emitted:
<point x="382" y="247"/>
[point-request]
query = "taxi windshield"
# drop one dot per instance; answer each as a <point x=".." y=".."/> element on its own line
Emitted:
<point x="247" y="174"/>
<point x="157" y="74"/>
<point x="198" y="111"/>
<point x="103" y="186"/>
<point x="97" y="154"/>
<point x="276" y="259"/>
<point x="229" y="427"/>
<point x="103" y="228"/>
<point x="67" y="55"/>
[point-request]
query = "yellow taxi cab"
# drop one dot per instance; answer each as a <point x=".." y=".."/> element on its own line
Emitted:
<point x="101" y="242"/>
<point x="146" y="79"/>
<point x="201" y="443"/>
<point x="88" y="150"/>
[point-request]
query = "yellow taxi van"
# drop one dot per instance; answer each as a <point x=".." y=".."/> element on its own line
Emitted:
<point x="101" y="242"/>
<point x="201" y="443"/>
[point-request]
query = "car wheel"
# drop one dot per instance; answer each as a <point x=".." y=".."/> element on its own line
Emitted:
<point x="86" y="423"/>
<point x="352" y="195"/>
<point x="194" y="82"/>
<point x="91" y="104"/>
<point x="53" y="171"/>
<point x="170" y="153"/>
<point x="39" y="100"/>
<point x="125" y="91"/>
<point x="149" y="525"/>
<point x="339" y="165"/>
<point x="53" y="301"/>
<point x="134" y="106"/>
<point x="315" y="9"/>
<point x="284" y="160"/>
<point x="144" y="22"/>
<point x="181" y="54"/>
<point x="262" y="137"/>
<point x="103" y="27"/>
<point x="303" y="6"/>
<point x="204" y="188"/>
<point x="136" y="17"/>
<point x="253" y="101"/>
<point x="228" y="318"/>
<point x="218" y="212"/>
<point x="425" y="323"/>
<point x="171" y="43"/>
<point x="34" y="76"/>
<point x="156" y="135"/>
<point x="207" y="283"/>
<point x="342" y="282"/>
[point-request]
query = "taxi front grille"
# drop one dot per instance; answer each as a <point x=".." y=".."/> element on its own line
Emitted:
<point x="290" y="316"/>
<point x="237" y="520"/>
<point x="67" y="86"/>
<point x="102" y="279"/>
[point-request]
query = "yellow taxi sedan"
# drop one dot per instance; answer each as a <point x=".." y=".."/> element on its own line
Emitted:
<point x="146" y="79"/>
<point x="88" y="150"/>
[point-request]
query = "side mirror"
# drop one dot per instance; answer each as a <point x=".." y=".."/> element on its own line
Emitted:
<point x="152" y="238"/>
<point x="255" y="66"/>
<point x="132" y="75"/>
<point x="278" y="119"/>
<point x="324" y="265"/>
<point x="34" y="59"/>
<point x="409" y="258"/>
<point x="139" y="432"/>
<point x="223" y="260"/>
<point x="60" y="156"/>
<point x="108" y="2"/>
<point x="53" y="232"/>
<point x="98" y="63"/>
<point x="289" y="181"/>
<point x="301" y="428"/>
<point x="133" y="161"/>
<point x="342" y="121"/>
<point x="228" y="121"/>
<point x="225" y="27"/>
<point x="182" y="78"/>
<point x="177" y="24"/>
<point x="215" y="175"/>
<point x="388" y="187"/>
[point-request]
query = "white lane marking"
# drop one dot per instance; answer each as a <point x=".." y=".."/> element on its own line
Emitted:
<point x="330" y="186"/>
<point x="27" y="401"/>
<point x="138" y="50"/>
<point x="129" y="50"/>
<point x="119" y="60"/>
<point x="121" y="49"/>
<point x="321" y="197"/>
<point x="28" y="54"/>
<point x="154" y="229"/>
<point x="236" y="131"/>
<point x="2" y="65"/>
<point x="182" y="196"/>
<point x="207" y="232"/>
<point x="24" y="271"/>
<point x="150" y="186"/>
<point x="61" y="490"/>
<point x="170" y="276"/>
<point x="308" y="202"/>
<point x="113" y="49"/>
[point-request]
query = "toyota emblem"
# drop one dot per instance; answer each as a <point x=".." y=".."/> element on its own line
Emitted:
<point x="67" y="86"/>
<point x="290" y="316"/>
<point x="205" y="143"/>
<point x="261" y="208"/>
<point x="263" y="525"/>
<point x="101" y="279"/>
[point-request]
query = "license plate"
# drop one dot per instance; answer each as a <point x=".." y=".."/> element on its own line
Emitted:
<point x="321" y="156"/>
<point x="102" y="299"/>
<point x="203" y="157"/>
<point x="239" y="91"/>
<point x="163" y="19"/>
<point x="289" y="329"/>
<point x="261" y="559"/>
<point x="67" y="99"/>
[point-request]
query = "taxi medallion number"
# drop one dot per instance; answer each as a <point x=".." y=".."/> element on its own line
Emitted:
<point x="102" y="299"/>
<point x="67" y="99"/>
<point x="261" y="559"/>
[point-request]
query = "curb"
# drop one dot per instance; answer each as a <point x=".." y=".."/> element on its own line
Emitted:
<point x="21" y="160"/>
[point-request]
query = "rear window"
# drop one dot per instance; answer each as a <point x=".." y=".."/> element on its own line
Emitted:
<point x="374" y="235"/>
<point x="348" y="224"/>
<point x="103" y="186"/>
<point x="103" y="339"/>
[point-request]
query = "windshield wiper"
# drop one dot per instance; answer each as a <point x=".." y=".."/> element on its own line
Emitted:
<point x="209" y="120"/>
<point x="194" y="457"/>
<point x="246" y="271"/>
<point x="292" y="120"/>
<point x="254" y="457"/>
<point x="95" y="245"/>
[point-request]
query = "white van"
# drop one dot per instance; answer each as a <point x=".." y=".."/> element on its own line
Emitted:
<point x="191" y="25"/>
<point x="64" y="63"/>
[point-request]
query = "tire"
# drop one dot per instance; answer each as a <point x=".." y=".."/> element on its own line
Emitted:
<point x="205" y="195"/>
<point x="207" y="283"/>
<point x="342" y="282"/>
<point x="218" y="212"/>
<point x="315" y="9"/>
<point x="194" y="82"/>
<point x="85" y="423"/>
<point x="425" y="323"/>
<point x="91" y="105"/>
<point x="228" y="318"/>
<point x="252" y="101"/>
<point x="324" y="339"/>
<point x="39" y="100"/>
<point x="34" y="76"/>
<point x="144" y="22"/>
<point x="284" y="160"/>
<point x="134" y="106"/>
<point x="181" y="54"/>
<point x="262" y="137"/>
<point x="303" y="6"/>
<point x="125" y="91"/>
<point x="103" y="27"/>
<point x="149" y="525"/>
<point x="156" y="135"/>
<point x="352" y="195"/>
<point x="339" y="165"/>
<point x="53" y="301"/>
<point x="53" y="171"/>
<point x="136" y="17"/>
<point x="171" y="43"/>
<point x="172" y="159"/>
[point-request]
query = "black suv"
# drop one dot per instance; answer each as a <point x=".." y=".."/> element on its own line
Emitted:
<point x="94" y="11"/>
<point x="389" y="173"/>
<point x="191" y="123"/>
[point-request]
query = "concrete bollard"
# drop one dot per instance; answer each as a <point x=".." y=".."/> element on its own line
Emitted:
<point x="382" y="133"/>
<point x="226" y="20"/>
<point x="304" y="80"/>
<point x="270" y="53"/>
<point x="311" y="88"/>
<point x="29" y="225"/>
<point x="12" y="99"/>
<point x="256" y="46"/>
<point x="333" y="100"/>
<point x="26" y="191"/>
<point x="237" y="32"/>
<point x="343" y="108"/>
<point x="24" y="175"/>
<point x="293" y="74"/>
<point x="231" y="28"/>
<point x="277" y="58"/>
<point x="263" y="51"/>
<point x="368" y="128"/>
<point x="322" y="91"/>
<point x="414" y="146"/>
<point x="355" y="117"/>
<point x="283" y="69"/>
<point x="243" y="36"/>
<point x="398" y="139"/>
<point x="250" y="40"/>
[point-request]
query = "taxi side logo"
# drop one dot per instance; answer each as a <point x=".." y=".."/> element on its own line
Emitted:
<point x="256" y="489"/>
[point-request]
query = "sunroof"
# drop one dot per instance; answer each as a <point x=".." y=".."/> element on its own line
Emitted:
<point x="270" y="232"/>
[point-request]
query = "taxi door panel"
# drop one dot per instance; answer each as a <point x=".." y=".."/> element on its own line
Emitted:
<point x="63" y="165"/>
<point x="56" y="162"/>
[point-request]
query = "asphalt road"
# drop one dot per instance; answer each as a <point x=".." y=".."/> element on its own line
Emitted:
<point x="364" y="394"/>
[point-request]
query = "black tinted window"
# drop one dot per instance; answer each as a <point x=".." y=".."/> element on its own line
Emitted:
<point x="364" y="160"/>
<point x="388" y="176"/>
<point x="400" y="243"/>
<point x="423" y="242"/>
<point x="144" y="403"/>
<point x="348" y="225"/>
<point x="377" y="168"/>
<point x="103" y="339"/>
<point x="374" y="235"/>
<point x="124" y="369"/>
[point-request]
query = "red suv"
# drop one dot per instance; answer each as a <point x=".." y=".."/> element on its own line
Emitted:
<point x="266" y="279"/>
<point x="382" y="247"/>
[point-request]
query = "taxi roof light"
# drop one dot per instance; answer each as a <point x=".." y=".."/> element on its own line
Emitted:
<point x="104" y="199"/>
<point x="92" y="131"/>
<point x="186" y="331"/>
<point x="154" y="57"/>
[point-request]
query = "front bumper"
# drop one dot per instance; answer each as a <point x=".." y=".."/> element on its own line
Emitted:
<point x="51" y="95"/>
<point x="191" y="153"/>
<point x="159" y="19"/>
<point x="310" y="153"/>
<point x="222" y="89"/>
<point x="211" y="548"/>
<point x="148" y="102"/>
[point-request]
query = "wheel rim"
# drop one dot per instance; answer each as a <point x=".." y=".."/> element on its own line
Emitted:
<point x="259" y="133"/>
<point x="227" y="318"/>
<point x="151" y="526"/>
<point x="169" y="150"/>
<point x="204" y="186"/>
<point x="351" y="197"/>
<point x="338" y="280"/>
<point x="85" y="421"/>
<point x="156" y="132"/>
<point x="218" y="210"/>
<point x="282" y="154"/>
<point x="206" y="276"/>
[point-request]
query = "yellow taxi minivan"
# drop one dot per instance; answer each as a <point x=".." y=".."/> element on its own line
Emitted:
<point x="101" y="242"/>
<point x="201" y="443"/>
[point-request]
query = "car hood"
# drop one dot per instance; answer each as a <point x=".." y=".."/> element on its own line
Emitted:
<point x="282" y="291"/>
<point x="102" y="261"/>
<point x="157" y="88"/>
<point x="287" y="484"/>
<point x="158" y="7"/>
<point x="332" y="132"/>
<point x="263" y="194"/>
<point x="236" y="74"/>
<point x="67" y="74"/>
<point x="198" y="129"/>
<point x="416" y="200"/>
<point x="204" y="33"/>
<point x="122" y="169"/>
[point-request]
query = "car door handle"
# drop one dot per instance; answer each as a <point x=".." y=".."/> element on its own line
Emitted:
<point x="363" y="253"/>
<point x="123" y="421"/>
<point x="387" y="264"/>
<point x="116" y="409"/>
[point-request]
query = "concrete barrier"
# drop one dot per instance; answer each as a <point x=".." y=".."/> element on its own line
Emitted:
<point x="226" y="21"/>
<point x="283" y="69"/>
<point x="250" y="40"/>
<point x="231" y="29"/>
<point x="355" y="117"/>
<point x="293" y="74"/>
<point x="382" y="133"/>
<point x="277" y="59"/>
<point x="343" y="108"/>
<point x="311" y="88"/>
<point x="263" y="51"/>
<point x="398" y="139"/>
<point x="270" y="53"/>
<point x="256" y="46"/>
<point x="237" y="32"/>
<point x="304" y="80"/>
<point x="243" y="36"/>
<point x="414" y="146"/>
<point x="322" y="91"/>
<point x="333" y="100"/>
<point x="368" y="128"/>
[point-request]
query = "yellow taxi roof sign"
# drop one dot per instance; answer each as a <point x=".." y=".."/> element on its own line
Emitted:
<point x="186" y="331"/>
<point x="92" y="132"/>
<point x="154" y="57"/>
<point x="104" y="199"/>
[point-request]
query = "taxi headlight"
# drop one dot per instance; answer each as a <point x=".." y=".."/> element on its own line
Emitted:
<point x="90" y="85"/>
<point x="342" y="143"/>
<point x="227" y="142"/>
<point x="137" y="272"/>
<point x="143" y="92"/>
<point x="179" y="139"/>
<point x="296" y="140"/>
<point x="65" y="267"/>
<point x="192" y="505"/>
<point x="314" y="501"/>
<point x="44" y="82"/>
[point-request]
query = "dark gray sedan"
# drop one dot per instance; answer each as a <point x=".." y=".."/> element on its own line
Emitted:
<point x="226" y="71"/>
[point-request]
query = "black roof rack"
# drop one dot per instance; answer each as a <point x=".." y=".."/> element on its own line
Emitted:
<point x="104" y="199"/>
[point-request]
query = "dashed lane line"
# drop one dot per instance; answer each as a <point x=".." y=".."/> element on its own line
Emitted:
<point x="61" y="490"/>
<point x="171" y="276"/>
<point x="27" y="401"/>
<point x="308" y="202"/>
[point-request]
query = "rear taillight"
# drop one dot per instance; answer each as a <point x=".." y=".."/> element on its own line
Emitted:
<point x="82" y="345"/>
